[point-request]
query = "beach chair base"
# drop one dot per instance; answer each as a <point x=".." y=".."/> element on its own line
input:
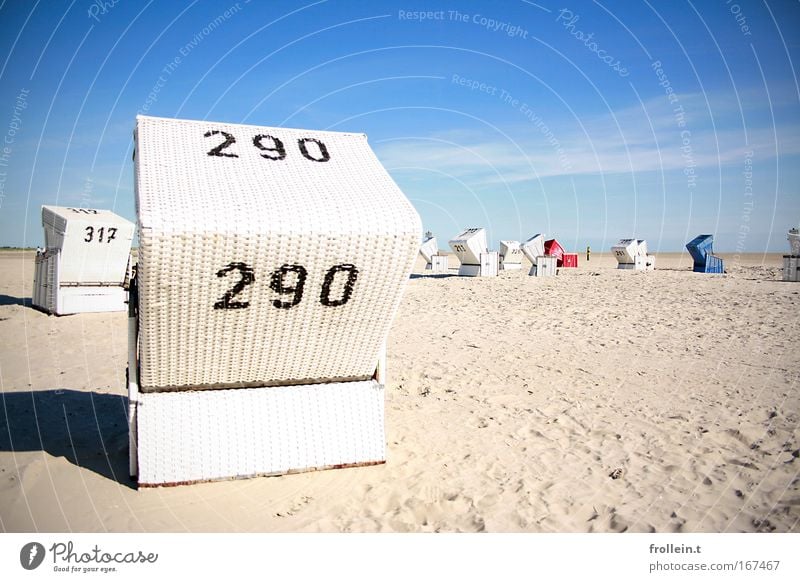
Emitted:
<point x="791" y="267"/>
<point x="71" y="300"/>
<point x="192" y="436"/>
<point x="569" y="260"/>
<point x="489" y="264"/>
<point x="438" y="264"/>
<point x="51" y="296"/>
<point x="641" y="263"/>
<point x="712" y="264"/>
<point x="543" y="267"/>
<point x="487" y="268"/>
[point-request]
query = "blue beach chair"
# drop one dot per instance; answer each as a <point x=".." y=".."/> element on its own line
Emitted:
<point x="703" y="255"/>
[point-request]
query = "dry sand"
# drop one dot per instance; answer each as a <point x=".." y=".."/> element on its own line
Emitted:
<point x="510" y="403"/>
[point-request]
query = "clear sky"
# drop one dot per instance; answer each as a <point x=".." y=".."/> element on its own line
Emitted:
<point x="585" y="121"/>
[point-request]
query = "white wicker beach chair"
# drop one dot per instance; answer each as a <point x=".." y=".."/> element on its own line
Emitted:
<point x="428" y="249"/>
<point x="271" y="264"/>
<point x="791" y="262"/>
<point x="510" y="255"/>
<point x="632" y="254"/>
<point x="541" y="265"/>
<point x="471" y="248"/>
<point x="83" y="266"/>
<point x="434" y="262"/>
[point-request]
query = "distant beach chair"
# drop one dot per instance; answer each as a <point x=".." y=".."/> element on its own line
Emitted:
<point x="434" y="262"/>
<point x="791" y="262"/>
<point x="631" y="253"/>
<point x="541" y="265"/>
<point x="85" y="262"/>
<point x="794" y="241"/>
<point x="569" y="260"/>
<point x="553" y="248"/>
<point x="471" y="249"/>
<point x="510" y="255"/>
<point x="701" y="249"/>
<point x="533" y="247"/>
<point x="271" y="264"/>
<point x="563" y="259"/>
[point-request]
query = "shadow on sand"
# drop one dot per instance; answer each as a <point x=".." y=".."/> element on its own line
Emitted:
<point x="11" y="300"/>
<point x="432" y="276"/>
<point x="88" y="429"/>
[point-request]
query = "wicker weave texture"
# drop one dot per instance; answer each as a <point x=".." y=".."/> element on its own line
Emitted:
<point x="264" y="220"/>
<point x="200" y="436"/>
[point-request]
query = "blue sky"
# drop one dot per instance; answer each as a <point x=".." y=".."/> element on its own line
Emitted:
<point x="586" y="121"/>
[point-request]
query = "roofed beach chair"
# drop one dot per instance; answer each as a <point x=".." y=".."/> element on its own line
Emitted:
<point x="554" y="249"/>
<point x="541" y="265"/>
<point x="271" y="264"/>
<point x="471" y="249"/>
<point x="791" y="262"/>
<point x="631" y="253"/>
<point x="429" y="249"/>
<point x="510" y="255"/>
<point x="794" y="241"/>
<point x="705" y="261"/>
<point x="84" y="265"/>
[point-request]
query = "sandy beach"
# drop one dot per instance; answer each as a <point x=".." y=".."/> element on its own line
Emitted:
<point x="595" y="401"/>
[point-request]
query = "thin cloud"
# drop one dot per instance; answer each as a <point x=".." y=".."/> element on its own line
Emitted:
<point x="644" y="138"/>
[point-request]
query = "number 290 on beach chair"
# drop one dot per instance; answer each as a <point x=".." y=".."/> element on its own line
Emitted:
<point x="271" y="264"/>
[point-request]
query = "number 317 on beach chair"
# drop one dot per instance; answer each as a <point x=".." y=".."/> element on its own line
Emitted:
<point x="271" y="263"/>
